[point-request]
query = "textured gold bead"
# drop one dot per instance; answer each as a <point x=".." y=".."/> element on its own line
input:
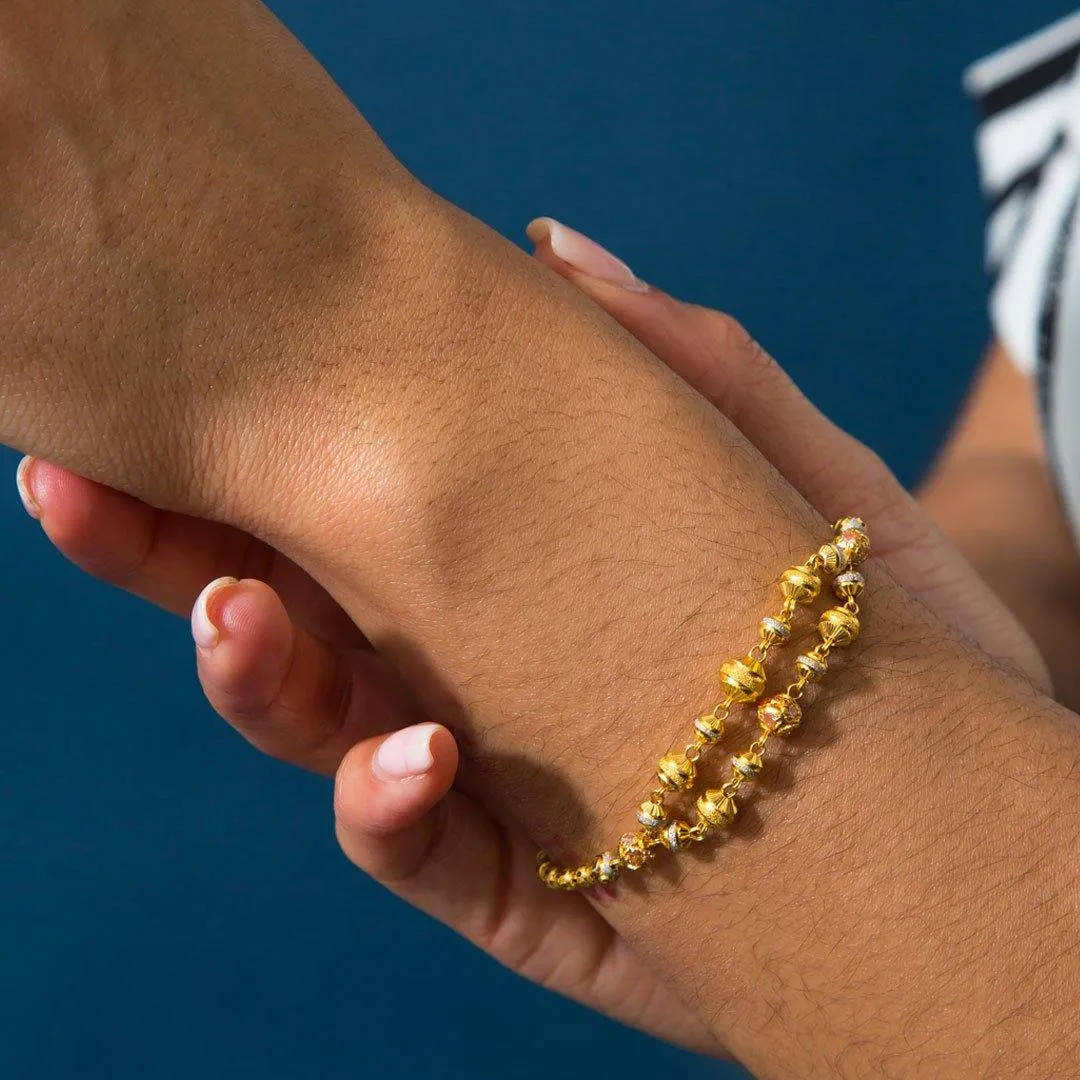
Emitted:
<point x="716" y="809"/>
<point x="849" y="584"/>
<point x="743" y="679"/>
<point x="799" y="584"/>
<point x="838" y="626"/>
<point x="676" y="772"/>
<point x="747" y="764"/>
<point x="833" y="560"/>
<point x="855" y="544"/>
<point x="710" y="727"/>
<point x="633" y="851"/>
<point x="779" y="715"/>
<point x="812" y="665"/>
<point x="677" y="836"/>
<point x="651" y="814"/>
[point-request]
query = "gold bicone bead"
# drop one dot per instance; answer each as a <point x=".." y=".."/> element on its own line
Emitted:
<point x="833" y="560"/>
<point x="633" y="851"/>
<point x="677" y="836"/>
<point x="849" y="584"/>
<point x="812" y="665"/>
<point x="779" y="715"/>
<point x="838" y="626"/>
<point x="743" y="679"/>
<point x="716" y="809"/>
<point x="651" y="814"/>
<point x="676" y="772"/>
<point x="799" y="584"/>
<point x="855" y="544"/>
<point x="747" y="764"/>
<point x="710" y="727"/>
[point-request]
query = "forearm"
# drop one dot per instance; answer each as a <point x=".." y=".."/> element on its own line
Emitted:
<point x="993" y="495"/>
<point x="867" y="914"/>
<point x="555" y="537"/>
<point x="857" y="914"/>
<point x="559" y="542"/>
<point x="854" y="916"/>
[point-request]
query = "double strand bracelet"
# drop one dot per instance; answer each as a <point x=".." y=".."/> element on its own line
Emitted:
<point x="742" y="681"/>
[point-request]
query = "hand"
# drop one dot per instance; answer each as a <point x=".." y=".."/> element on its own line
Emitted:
<point x="223" y="296"/>
<point x="296" y="678"/>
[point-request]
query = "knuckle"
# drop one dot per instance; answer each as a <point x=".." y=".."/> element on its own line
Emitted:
<point x="316" y="724"/>
<point x="733" y="339"/>
<point x="748" y="367"/>
<point x="123" y="565"/>
<point x="400" y="869"/>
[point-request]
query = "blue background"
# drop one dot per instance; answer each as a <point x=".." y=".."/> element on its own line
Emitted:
<point x="172" y="905"/>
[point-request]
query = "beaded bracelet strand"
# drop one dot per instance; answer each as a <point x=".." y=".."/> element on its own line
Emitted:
<point x="742" y="681"/>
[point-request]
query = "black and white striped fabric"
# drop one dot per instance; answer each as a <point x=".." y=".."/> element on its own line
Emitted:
<point x="1028" y="144"/>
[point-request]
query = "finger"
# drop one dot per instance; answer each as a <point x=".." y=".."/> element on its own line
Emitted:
<point x="288" y="692"/>
<point x="833" y="470"/>
<point x="163" y="557"/>
<point x="399" y="821"/>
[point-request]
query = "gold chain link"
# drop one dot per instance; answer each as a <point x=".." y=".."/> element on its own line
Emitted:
<point x="743" y="682"/>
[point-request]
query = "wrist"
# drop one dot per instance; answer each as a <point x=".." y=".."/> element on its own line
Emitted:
<point x="466" y="390"/>
<point x="869" y="902"/>
<point x="559" y="550"/>
<point x="864" y="889"/>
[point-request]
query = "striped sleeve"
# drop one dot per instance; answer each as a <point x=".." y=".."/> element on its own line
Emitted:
<point x="1028" y="97"/>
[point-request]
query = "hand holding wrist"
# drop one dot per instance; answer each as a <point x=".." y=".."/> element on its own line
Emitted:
<point x="563" y="549"/>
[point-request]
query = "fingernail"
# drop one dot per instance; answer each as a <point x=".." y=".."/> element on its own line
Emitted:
<point x="405" y="754"/>
<point x="203" y="628"/>
<point x="584" y="254"/>
<point x="24" y="481"/>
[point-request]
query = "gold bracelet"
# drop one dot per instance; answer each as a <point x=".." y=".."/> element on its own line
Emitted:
<point x="743" y="681"/>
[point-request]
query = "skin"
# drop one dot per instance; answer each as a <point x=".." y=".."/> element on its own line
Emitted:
<point x="994" y="497"/>
<point x="281" y="685"/>
<point x="255" y="678"/>
<point x="545" y="534"/>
